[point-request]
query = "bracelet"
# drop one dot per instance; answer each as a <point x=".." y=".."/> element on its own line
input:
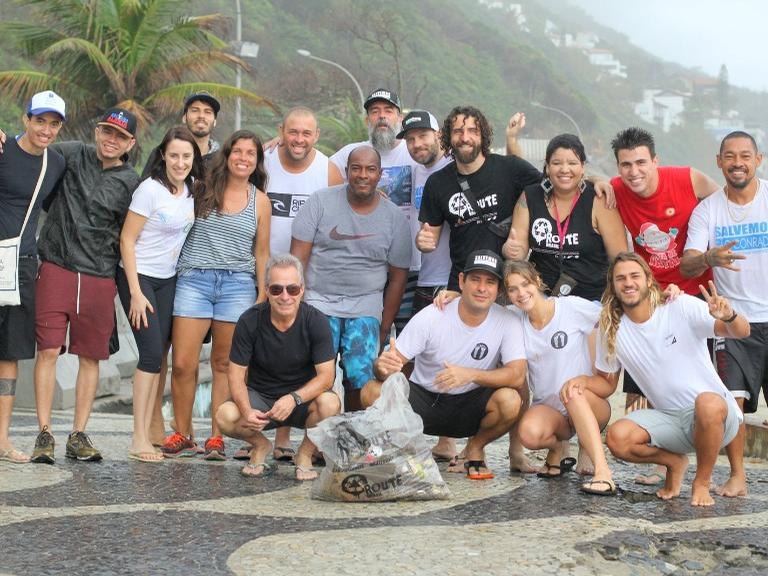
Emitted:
<point x="731" y="319"/>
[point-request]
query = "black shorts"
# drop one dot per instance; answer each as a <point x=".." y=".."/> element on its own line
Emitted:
<point x="743" y="364"/>
<point x="297" y="419"/>
<point x="424" y="296"/>
<point x="17" y="323"/>
<point x="452" y="415"/>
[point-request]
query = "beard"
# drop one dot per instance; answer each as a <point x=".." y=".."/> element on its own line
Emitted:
<point x="467" y="157"/>
<point x="383" y="140"/>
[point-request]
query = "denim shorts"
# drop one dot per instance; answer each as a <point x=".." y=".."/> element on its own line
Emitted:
<point x="222" y="295"/>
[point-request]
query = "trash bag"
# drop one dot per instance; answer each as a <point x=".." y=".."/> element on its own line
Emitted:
<point x="379" y="454"/>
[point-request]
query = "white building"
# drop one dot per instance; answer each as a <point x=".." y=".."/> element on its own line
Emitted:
<point x="605" y="59"/>
<point x="662" y="107"/>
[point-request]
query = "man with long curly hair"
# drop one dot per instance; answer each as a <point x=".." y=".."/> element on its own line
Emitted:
<point x="664" y="346"/>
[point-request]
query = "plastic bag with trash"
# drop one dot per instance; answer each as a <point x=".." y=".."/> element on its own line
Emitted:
<point x="378" y="454"/>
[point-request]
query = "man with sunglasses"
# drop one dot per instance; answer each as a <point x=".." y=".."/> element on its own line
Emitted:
<point x="79" y="248"/>
<point x="281" y="370"/>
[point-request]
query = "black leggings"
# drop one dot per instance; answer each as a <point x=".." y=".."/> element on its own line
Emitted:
<point x="152" y="341"/>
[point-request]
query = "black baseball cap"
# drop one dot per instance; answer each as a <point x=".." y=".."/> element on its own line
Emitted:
<point x="487" y="261"/>
<point x="382" y="94"/>
<point x="203" y="96"/>
<point x="121" y="119"/>
<point x="418" y="119"/>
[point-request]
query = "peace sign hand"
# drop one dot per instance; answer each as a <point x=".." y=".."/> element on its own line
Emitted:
<point x="719" y="307"/>
<point x="723" y="256"/>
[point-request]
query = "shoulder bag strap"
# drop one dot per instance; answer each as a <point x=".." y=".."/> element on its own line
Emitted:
<point x="37" y="190"/>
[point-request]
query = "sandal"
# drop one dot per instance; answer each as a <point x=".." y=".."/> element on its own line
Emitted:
<point x="566" y="465"/>
<point x="589" y="488"/>
<point x="476" y="465"/>
<point x="280" y="454"/>
<point x="305" y="470"/>
<point x="13" y="456"/>
<point x="243" y="453"/>
<point x="266" y="469"/>
<point x="456" y="465"/>
<point x="148" y="457"/>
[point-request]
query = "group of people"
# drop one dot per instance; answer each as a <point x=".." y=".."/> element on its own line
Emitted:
<point x="289" y="260"/>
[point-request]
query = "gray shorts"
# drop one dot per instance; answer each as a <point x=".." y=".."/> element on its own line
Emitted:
<point x="672" y="430"/>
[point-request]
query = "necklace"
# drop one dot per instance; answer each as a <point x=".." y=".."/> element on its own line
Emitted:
<point x="747" y="208"/>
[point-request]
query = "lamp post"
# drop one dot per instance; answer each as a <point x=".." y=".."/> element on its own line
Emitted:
<point x="243" y="50"/>
<point x="568" y="116"/>
<point x="308" y="54"/>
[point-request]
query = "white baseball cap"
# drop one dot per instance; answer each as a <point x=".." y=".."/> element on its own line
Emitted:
<point x="47" y="101"/>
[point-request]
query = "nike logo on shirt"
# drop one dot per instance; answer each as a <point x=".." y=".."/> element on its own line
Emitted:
<point x="334" y="234"/>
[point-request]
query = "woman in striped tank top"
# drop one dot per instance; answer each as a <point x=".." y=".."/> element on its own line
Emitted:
<point x="224" y="256"/>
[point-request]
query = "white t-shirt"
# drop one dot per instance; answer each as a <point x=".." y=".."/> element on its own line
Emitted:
<point x="434" y="337"/>
<point x="287" y="192"/>
<point x="667" y="355"/>
<point x="169" y="220"/>
<point x="434" y="267"/>
<point x="560" y="350"/>
<point x="716" y="221"/>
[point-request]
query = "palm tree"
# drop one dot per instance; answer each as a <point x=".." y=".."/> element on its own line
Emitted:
<point x="339" y="129"/>
<point x="143" y="55"/>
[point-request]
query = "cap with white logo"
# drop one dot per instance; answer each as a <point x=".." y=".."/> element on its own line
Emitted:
<point x="47" y="101"/>
<point x="418" y="119"/>
<point x="385" y="95"/>
<point x="485" y="260"/>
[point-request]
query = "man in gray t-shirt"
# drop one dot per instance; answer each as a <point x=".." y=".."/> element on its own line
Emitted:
<point x="356" y="247"/>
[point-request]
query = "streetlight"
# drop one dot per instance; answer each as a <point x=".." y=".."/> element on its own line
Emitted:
<point x="308" y="54"/>
<point x="578" y="130"/>
<point x="243" y="50"/>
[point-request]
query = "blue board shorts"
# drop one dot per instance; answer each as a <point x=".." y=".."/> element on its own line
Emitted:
<point x="357" y="340"/>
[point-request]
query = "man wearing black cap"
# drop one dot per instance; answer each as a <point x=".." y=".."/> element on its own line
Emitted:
<point x="200" y="112"/>
<point x="469" y="364"/>
<point x="79" y="248"/>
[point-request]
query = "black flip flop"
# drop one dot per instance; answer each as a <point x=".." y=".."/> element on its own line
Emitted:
<point x="566" y="465"/>
<point x="586" y="487"/>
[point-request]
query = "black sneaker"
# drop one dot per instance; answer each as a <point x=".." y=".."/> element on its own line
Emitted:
<point x="44" y="445"/>
<point x="79" y="447"/>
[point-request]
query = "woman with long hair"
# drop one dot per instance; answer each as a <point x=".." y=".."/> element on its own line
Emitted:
<point x="571" y="234"/>
<point x="567" y="397"/>
<point x="222" y="261"/>
<point x="158" y="221"/>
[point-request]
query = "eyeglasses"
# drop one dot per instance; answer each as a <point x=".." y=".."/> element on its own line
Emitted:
<point x="277" y="289"/>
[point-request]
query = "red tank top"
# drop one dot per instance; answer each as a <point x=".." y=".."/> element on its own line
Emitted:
<point x="659" y="225"/>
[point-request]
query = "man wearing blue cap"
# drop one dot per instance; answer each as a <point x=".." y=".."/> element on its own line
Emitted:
<point x="28" y="174"/>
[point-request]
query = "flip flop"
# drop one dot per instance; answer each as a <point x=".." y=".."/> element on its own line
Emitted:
<point x="439" y="457"/>
<point x="566" y="465"/>
<point x="476" y="465"/>
<point x="305" y="470"/>
<point x="148" y="457"/>
<point x="588" y="488"/>
<point x="652" y="479"/>
<point x="13" y="456"/>
<point x="456" y="465"/>
<point x="243" y="453"/>
<point x="266" y="468"/>
<point x="280" y="454"/>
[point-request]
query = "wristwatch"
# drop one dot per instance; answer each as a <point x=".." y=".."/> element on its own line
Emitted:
<point x="297" y="398"/>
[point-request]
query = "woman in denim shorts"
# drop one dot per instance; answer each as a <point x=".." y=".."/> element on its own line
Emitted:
<point x="224" y="256"/>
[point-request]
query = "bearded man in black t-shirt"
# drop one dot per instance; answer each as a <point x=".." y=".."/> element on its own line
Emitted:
<point x="281" y="370"/>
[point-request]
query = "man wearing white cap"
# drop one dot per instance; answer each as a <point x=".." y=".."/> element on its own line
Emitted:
<point x="25" y="161"/>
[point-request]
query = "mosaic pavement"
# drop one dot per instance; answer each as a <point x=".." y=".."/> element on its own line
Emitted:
<point x="193" y="517"/>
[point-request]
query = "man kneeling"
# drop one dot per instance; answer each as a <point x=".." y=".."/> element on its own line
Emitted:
<point x="469" y="359"/>
<point x="284" y="346"/>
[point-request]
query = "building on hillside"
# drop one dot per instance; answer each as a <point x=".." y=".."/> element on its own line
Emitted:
<point x="662" y="107"/>
<point x="605" y="60"/>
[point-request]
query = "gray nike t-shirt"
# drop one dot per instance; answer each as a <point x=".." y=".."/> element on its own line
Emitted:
<point x="351" y="252"/>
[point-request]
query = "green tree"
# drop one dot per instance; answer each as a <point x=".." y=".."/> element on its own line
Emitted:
<point x="143" y="55"/>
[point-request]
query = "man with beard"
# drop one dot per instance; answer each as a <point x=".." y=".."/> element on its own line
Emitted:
<point x="732" y="225"/>
<point x="356" y="249"/>
<point x="664" y="346"/>
<point x="384" y="119"/>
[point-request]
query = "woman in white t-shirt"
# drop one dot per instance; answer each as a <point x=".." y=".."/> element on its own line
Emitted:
<point x="566" y="396"/>
<point x="160" y="216"/>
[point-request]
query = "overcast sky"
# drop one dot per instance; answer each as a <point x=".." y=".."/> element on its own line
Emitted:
<point x="702" y="33"/>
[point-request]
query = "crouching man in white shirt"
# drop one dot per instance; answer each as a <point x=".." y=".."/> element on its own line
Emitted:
<point x="664" y="347"/>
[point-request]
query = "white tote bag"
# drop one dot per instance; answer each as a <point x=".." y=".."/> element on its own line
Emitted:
<point x="9" y="251"/>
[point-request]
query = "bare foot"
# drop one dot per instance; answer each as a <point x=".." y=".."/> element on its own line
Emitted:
<point x="735" y="487"/>
<point x="584" y="465"/>
<point x="456" y="465"/>
<point x="520" y="463"/>
<point x="303" y="473"/>
<point x="700" y="495"/>
<point x="674" y="480"/>
<point x="261" y="448"/>
<point x="445" y="449"/>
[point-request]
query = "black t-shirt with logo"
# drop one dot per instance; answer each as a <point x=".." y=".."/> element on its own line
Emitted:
<point x="496" y="187"/>
<point x="281" y="362"/>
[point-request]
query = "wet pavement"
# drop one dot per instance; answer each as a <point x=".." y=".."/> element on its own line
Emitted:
<point x="190" y="517"/>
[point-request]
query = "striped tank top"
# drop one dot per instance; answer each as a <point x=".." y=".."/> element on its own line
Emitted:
<point x="222" y="241"/>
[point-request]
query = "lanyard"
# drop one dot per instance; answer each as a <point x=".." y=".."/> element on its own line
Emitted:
<point x="563" y="230"/>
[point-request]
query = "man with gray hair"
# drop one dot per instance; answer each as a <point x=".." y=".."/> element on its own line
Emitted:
<point x="281" y="370"/>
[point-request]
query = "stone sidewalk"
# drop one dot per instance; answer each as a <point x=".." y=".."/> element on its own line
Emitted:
<point x="192" y="517"/>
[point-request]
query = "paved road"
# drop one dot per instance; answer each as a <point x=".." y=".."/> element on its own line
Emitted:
<point x="193" y="517"/>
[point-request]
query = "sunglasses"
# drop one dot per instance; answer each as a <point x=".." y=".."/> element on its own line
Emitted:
<point x="277" y="289"/>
